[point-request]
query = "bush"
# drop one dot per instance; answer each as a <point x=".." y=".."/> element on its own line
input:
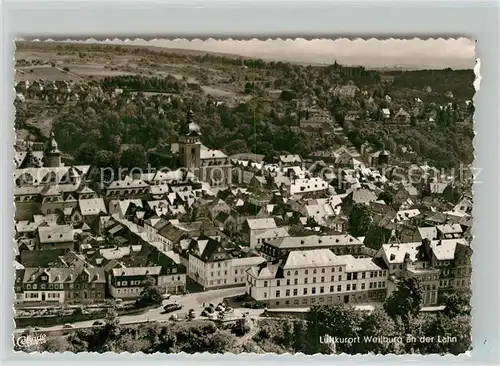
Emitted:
<point x="241" y="298"/>
<point x="254" y="305"/>
<point x="240" y="328"/>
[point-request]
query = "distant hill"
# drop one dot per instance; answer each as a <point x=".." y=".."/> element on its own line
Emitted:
<point x="372" y="62"/>
<point x="47" y="45"/>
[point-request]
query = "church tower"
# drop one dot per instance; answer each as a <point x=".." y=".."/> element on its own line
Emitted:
<point x="52" y="155"/>
<point x="190" y="145"/>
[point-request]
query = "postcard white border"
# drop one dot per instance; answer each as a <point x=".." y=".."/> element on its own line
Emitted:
<point x="306" y="19"/>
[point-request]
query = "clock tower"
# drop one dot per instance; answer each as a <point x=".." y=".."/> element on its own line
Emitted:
<point x="190" y="145"/>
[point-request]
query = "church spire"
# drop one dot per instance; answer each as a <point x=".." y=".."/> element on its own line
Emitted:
<point x="184" y="130"/>
<point x="29" y="159"/>
<point x="52" y="146"/>
<point x="52" y="155"/>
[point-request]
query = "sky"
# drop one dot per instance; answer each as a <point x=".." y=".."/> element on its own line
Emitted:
<point x="456" y="53"/>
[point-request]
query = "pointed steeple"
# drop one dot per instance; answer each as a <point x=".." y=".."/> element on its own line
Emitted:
<point x="184" y="128"/>
<point x="52" y="155"/>
<point x="29" y="160"/>
<point x="189" y="128"/>
<point x="52" y="146"/>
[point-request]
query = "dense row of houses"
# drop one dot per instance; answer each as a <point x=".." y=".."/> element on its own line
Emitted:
<point x="281" y="232"/>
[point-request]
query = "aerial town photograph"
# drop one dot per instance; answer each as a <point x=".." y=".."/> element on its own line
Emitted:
<point x="294" y="196"/>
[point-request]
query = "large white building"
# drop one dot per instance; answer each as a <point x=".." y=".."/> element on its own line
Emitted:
<point x="310" y="277"/>
<point x="276" y="248"/>
<point x="214" y="265"/>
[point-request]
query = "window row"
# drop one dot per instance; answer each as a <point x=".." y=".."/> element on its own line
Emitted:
<point x="84" y="294"/>
<point x="429" y="287"/>
<point x="129" y="291"/>
<point x="350" y="275"/>
<point x="349" y="287"/>
<point x="220" y="282"/>
<point x="132" y="283"/>
<point x="314" y="271"/>
<point x="126" y="192"/>
<point x="50" y="286"/>
<point x="329" y="299"/>
<point x="173" y="278"/>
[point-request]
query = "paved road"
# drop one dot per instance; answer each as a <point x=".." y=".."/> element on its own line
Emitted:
<point x="189" y="301"/>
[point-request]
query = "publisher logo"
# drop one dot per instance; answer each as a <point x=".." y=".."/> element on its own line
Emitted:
<point x="31" y="340"/>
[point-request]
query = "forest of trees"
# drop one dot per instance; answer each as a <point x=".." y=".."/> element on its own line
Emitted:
<point x="144" y="84"/>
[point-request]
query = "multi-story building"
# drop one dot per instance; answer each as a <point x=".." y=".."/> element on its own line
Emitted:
<point x="253" y="228"/>
<point x="394" y="256"/>
<point x="87" y="211"/>
<point x="173" y="274"/>
<point x="308" y="187"/>
<point x="338" y="244"/>
<point x="309" y="277"/>
<point x="452" y="257"/>
<point x="56" y="237"/>
<point x="58" y="285"/>
<point x="429" y="280"/>
<point x="127" y="188"/>
<point x="440" y="265"/>
<point x="128" y="283"/>
<point x="43" y="184"/>
<point x="214" y="264"/>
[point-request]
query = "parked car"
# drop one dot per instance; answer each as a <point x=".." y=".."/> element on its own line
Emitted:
<point x="192" y="314"/>
<point x="67" y="326"/>
<point x="98" y="323"/>
<point x="172" y="307"/>
<point x="174" y="317"/>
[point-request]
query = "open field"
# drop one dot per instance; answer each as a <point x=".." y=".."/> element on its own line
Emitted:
<point x="42" y="72"/>
<point x="95" y="70"/>
<point x="44" y="61"/>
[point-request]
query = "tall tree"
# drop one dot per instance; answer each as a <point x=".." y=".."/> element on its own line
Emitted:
<point x="134" y="157"/>
<point x="359" y="220"/>
<point x="406" y="301"/>
<point x="457" y="303"/>
<point x="151" y="294"/>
